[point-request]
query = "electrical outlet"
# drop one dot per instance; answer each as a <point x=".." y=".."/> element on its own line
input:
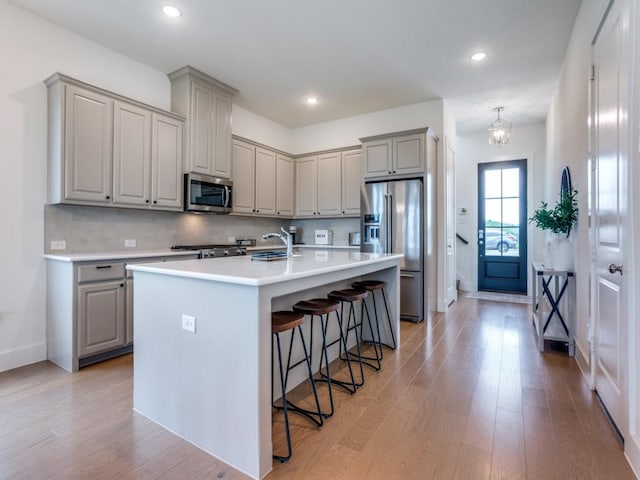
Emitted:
<point x="58" y="244"/>
<point x="231" y="239"/>
<point x="189" y="323"/>
<point x="130" y="243"/>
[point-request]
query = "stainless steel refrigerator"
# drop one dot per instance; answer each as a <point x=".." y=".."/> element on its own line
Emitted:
<point x="392" y="222"/>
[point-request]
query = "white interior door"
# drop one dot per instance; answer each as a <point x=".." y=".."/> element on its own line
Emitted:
<point x="610" y="215"/>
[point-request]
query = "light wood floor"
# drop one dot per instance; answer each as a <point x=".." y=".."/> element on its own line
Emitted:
<point x="466" y="396"/>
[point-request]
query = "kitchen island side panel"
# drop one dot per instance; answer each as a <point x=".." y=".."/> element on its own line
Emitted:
<point x="203" y="386"/>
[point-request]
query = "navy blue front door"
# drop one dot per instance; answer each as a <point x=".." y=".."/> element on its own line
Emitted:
<point x="502" y="226"/>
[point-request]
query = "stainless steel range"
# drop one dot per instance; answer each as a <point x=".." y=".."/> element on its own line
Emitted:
<point x="213" y="250"/>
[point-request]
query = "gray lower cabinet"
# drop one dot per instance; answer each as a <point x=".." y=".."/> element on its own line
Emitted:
<point x="101" y="317"/>
<point x="90" y="309"/>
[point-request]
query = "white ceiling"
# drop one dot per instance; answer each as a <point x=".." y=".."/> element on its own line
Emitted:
<point x="357" y="56"/>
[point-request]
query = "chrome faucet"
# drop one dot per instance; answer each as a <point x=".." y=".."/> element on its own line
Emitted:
<point x="285" y="237"/>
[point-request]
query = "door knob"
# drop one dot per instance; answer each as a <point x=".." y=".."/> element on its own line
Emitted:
<point x="613" y="268"/>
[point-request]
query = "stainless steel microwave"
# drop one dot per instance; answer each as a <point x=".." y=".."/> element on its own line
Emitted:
<point x="203" y="193"/>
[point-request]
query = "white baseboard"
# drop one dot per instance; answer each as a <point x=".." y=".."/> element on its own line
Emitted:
<point x="23" y="356"/>
<point x="467" y="286"/>
<point x="632" y="452"/>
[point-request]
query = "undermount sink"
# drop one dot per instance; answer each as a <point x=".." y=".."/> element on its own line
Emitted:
<point x="269" y="256"/>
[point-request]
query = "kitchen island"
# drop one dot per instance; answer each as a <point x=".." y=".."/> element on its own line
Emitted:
<point x="212" y="386"/>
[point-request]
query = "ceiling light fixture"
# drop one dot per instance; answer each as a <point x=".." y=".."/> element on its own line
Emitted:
<point x="479" y="56"/>
<point x="311" y="100"/>
<point x="171" y="12"/>
<point x="499" y="131"/>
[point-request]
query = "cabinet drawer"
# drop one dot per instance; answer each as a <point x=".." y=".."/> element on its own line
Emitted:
<point x="100" y="271"/>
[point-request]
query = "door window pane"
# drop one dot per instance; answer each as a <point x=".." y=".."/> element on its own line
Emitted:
<point x="492" y="184"/>
<point x="511" y="182"/>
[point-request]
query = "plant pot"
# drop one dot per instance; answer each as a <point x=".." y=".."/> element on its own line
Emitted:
<point x="560" y="253"/>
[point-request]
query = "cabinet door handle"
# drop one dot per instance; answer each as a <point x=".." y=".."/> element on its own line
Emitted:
<point x="102" y="267"/>
<point x="122" y="285"/>
<point x="389" y="172"/>
<point x="108" y="197"/>
<point x="146" y="201"/>
<point x="155" y="201"/>
<point x="394" y="171"/>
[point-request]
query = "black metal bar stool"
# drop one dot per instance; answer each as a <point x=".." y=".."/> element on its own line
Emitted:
<point x="322" y="308"/>
<point x="373" y="286"/>
<point x="350" y="296"/>
<point x="282" y="322"/>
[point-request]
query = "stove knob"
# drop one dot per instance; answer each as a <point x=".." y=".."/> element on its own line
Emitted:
<point x="226" y="253"/>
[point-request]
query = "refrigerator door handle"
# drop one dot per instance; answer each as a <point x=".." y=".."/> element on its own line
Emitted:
<point x="406" y="275"/>
<point x="389" y="223"/>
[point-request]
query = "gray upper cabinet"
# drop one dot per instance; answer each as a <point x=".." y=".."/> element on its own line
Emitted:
<point x="131" y="155"/>
<point x="401" y="153"/>
<point x="265" y="182"/>
<point x="254" y="179"/>
<point x="285" y="178"/>
<point x="105" y="149"/>
<point x="166" y="163"/>
<point x="306" y="186"/>
<point x="351" y="181"/>
<point x="206" y="102"/>
<point x="85" y="144"/>
<point x="244" y="155"/>
<point x="328" y="184"/>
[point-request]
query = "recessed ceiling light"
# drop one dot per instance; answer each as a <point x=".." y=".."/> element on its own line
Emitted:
<point x="311" y="100"/>
<point x="478" y="56"/>
<point x="170" y="11"/>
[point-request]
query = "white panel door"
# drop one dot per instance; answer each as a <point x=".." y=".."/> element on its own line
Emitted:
<point x="611" y="95"/>
<point x="166" y="163"/>
<point x="265" y="182"/>
<point x="131" y="154"/>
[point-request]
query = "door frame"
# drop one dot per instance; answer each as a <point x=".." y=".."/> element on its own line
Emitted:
<point x="535" y="171"/>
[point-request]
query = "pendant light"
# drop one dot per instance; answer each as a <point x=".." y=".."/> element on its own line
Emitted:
<point x="499" y="131"/>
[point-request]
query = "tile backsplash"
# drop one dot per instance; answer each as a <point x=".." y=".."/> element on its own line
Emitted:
<point x="340" y="226"/>
<point x="97" y="229"/>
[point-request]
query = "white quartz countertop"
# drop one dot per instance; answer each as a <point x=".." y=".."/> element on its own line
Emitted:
<point x="243" y="270"/>
<point x="88" y="257"/>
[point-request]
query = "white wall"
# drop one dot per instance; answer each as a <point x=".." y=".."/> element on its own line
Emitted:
<point x="526" y="142"/>
<point x="262" y="130"/>
<point x="347" y="131"/>
<point x="568" y="144"/>
<point x="33" y="49"/>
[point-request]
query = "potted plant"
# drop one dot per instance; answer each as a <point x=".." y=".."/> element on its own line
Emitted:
<point x="559" y="220"/>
